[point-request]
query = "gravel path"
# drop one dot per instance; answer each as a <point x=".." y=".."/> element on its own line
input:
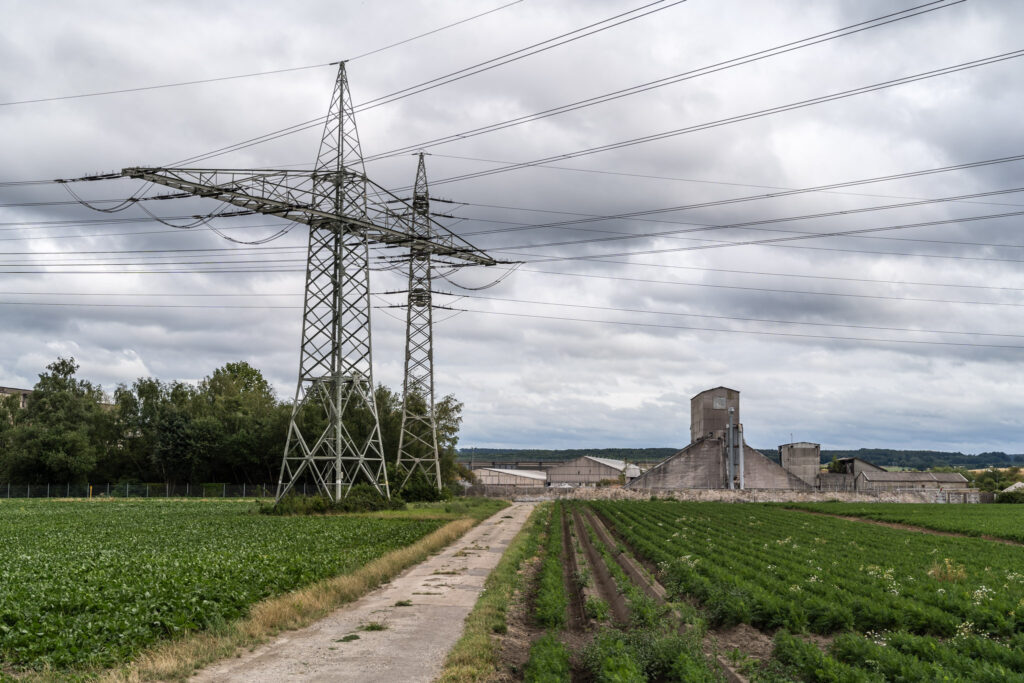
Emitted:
<point x="416" y="638"/>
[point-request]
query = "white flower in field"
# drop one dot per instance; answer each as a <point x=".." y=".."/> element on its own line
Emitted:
<point x="965" y="629"/>
<point x="941" y="591"/>
<point x="795" y="588"/>
<point x="770" y="567"/>
<point x="981" y="594"/>
<point x="812" y="579"/>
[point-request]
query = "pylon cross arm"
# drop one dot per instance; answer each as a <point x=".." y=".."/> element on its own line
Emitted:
<point x="293" y="195"/>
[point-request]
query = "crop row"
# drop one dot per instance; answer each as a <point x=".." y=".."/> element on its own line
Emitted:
<point x="998" y="521"/>
<point x="88" y="584"/>
<point x="776" y="568"/>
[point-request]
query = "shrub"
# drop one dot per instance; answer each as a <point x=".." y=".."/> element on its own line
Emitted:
<point x="947" y="571"/>
<point x="549" y="661"/>
<point x="361" y="498"/>
<point x="1010" y="496"/>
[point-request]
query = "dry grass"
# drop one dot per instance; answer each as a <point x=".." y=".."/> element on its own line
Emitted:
<point x="178" y="659"/>
<point x="948" y="571"/>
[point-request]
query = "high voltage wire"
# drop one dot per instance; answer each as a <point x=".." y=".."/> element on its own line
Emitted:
<point x="440" y="80"/>
<point x="780" y="49"/>
<point x="670" y="80"/>
<point x="734" y="119"/>
<point x="544" y="303"/>
<point x="589" y="218"/>
<point x="720" y="244"/>
<point x="731" y="331"/>
<point x="258" y="73"/>
<point x="727" y="317"/>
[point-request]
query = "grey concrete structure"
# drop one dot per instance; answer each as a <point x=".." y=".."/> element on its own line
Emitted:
<point x="588" y="470"/>
<point x="702" y="465"/>
<point x="709" y="412"/>
<point x="492" y="476"/>
<point x="802" y="459"/>
<point x="869" y="480"/>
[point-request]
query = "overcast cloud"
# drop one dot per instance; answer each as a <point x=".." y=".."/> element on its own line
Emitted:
<point x="841" y="369"/>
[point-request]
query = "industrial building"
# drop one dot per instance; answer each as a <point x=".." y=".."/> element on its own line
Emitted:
<point x="718" y="457"/>
<point x="588" y="470"/>
<point x="493" y="476"/>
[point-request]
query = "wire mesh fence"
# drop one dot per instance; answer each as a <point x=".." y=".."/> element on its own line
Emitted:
<point x="112" y="490"/>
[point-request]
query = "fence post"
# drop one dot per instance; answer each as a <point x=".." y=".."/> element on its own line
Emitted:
<point x="126" y="490"/>
<point x="28" y="490"/>
<point x="223" y="490"/>
<point x="243" y="489"/>
<point x="147" y="490"/>
<point x="186" y="489"/>
<point x="47" y="490"/>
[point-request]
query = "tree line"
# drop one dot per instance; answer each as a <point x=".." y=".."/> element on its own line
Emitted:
<point x="230" y="427"/>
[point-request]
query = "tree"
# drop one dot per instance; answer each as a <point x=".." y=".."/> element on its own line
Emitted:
<point x="62" y="432"/>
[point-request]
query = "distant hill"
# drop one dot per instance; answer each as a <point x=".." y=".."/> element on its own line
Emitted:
<point x="884" y="457"/>
<point x="514" y="454"/>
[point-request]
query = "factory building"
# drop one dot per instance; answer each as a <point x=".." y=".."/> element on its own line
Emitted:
<point x="493" y="476"/>
<point x="588" y="470"/>
<point x="802" y="459"/>
<point x="718" y="456"/>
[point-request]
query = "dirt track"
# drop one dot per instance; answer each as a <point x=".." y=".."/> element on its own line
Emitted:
<point x="416" y="638"/>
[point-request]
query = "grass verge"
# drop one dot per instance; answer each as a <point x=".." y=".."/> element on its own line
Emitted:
<point x="178" y="659"/>
<point x="475" y="656"/>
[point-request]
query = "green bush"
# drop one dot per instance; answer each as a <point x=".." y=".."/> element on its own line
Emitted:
<point x="549" y="661"/>
<point x="360" y="498"/>
<point x="1010" y="496"/>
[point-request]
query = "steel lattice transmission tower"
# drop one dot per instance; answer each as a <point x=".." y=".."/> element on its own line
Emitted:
<point x="334" y="434"/>
<point x="417" y="445"/>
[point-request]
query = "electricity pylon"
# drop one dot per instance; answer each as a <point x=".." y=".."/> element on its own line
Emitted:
<point x="417" y="445"/>
<point x="334" y="433"/>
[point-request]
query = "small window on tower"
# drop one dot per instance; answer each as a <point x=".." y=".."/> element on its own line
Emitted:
<point x="719" y="403"/>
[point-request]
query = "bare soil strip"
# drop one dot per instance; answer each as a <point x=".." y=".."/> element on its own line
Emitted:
<point x="908" y="527"/>
<point x="577" y="617"/>
<point x="603" y="580"/>
<point x="748" y="639"/>
<point x="380" y="637"/>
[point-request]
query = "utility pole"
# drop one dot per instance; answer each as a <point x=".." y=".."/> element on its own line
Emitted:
<point x="334" y="435"/>
<point x="417" y="445"/>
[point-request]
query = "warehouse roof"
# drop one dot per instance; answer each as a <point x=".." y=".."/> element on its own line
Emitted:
<point x="947" y="477"/>
<point x="529" y="474"/>
<point x="1014" y="487"/>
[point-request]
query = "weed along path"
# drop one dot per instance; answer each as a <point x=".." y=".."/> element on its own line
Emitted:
<point x="399" y="632"/>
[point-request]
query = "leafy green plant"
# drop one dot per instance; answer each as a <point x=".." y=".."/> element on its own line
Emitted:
<point x="549" y="661"/>
<point x="89" y="584"/>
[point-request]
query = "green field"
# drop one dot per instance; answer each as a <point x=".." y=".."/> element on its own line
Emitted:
<point x="896" y="604"/>
<point x="998" y="521"/>
<point x="87" y="584"/>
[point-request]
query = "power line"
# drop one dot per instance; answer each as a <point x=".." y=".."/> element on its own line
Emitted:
<point x="256" y="73"/>
<point x="479" y="67"/>
<point x="756" y="332"/>
<point x="736" y="119"/>
<point x="671" y="80"/>
<point x="728" y="317"/>
<point x="773" y="290"/>
<point x="590" y="218"/>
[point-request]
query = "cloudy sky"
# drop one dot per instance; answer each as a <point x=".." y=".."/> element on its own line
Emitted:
<point x="909" y="337"/>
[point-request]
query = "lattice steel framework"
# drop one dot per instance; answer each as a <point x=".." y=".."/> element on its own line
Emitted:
<point x="417" y="445"/>
<point x="334" y="434"/>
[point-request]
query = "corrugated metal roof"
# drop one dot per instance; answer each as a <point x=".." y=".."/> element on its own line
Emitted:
<point x="529" y="474"/>
<point x="1014" y="487"/>
<point x="950" y="477"/>
<point x="608" y="462"/>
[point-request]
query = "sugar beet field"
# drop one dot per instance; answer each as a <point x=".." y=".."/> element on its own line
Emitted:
<point x="89" y="584"/>
<point x="596" y="591"/>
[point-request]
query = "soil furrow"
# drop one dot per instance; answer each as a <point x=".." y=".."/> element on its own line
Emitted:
<point x="603" y="580"/>
<point x="577" y="617"/>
